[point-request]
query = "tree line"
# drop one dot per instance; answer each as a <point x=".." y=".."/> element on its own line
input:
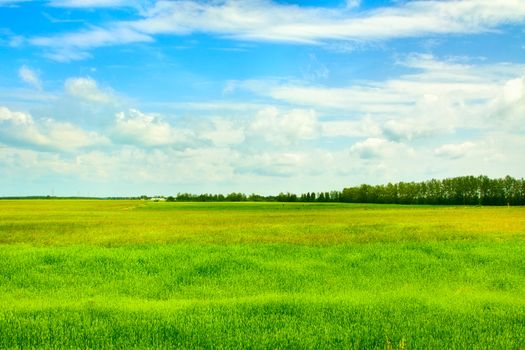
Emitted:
<point x="463" y="190"/>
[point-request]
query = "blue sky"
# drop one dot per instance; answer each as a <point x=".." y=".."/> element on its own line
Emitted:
<point x="111" y="97"/>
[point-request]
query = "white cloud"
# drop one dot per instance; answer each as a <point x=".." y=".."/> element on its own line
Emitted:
<point x="262" y="20"/>
<point x="223" y="133"/>
<point x="379" y="148"/>
<point x="137" y="128"/>
<point x="92" y="38"/>
<point x="30" y="76"/>
<point x="72" y="46"/>
<point x="165" y="166"/>
<point x="273" y="164"/>
<point x="18" y="128"/>
<point x="514" y="90"/>
<point x="507" y="111"/>
<point x="67" y="55"/>
<point x="430" y="116"/>
<point x="293" y="164"/>
<point x="350" y="128"/>
<point x="283" y="128"/>
<point x="87" y="89"/>
<point x="21" y="118"/>
<point x="212" y="106"/>
<point x="432" y="80"/>
<point x="438" y="97"/>
<point x="455" y="151"/>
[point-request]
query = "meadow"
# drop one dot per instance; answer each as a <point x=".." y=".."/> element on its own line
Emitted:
<point x="139" y="274"/>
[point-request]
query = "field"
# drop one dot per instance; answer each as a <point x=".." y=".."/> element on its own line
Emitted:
<point x="136" y="274"/>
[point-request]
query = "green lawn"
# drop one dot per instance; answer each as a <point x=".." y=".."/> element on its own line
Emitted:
<point x="124" y="274"/>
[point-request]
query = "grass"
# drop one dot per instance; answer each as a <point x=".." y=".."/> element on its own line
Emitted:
<point x="132" y="274"/>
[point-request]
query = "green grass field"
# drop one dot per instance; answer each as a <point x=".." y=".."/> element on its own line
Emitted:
<point x="134" y="274"/>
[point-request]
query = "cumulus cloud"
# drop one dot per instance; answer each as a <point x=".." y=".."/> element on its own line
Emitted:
<point x="223" y="132"/>
<point x="19" y="128"/>
<point x="437" y="97"/>
<point x="508" y="110"/>
<point x="513" y="90"/>
<point x="261" y="20"/>
<point x="363" y="127"/>
<point x="428" y="118"/>
<point x="137" y="128"/>
<point x="378" y="148"/>
<point x="284" y="128"/>
<point x="21" y="118"/>
<point x="289" y="164"/>
<point x="455" y="151"/>
<point x="87" y="89"/>
<point x="273" y="164"/>
<point x="30" y="77"/>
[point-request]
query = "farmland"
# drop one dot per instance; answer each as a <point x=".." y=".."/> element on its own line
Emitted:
<point x="125" y="274"/>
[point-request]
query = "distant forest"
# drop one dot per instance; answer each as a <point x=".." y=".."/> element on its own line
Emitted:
<point x="464" y="190"/>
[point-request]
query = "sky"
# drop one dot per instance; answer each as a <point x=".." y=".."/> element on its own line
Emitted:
<point x="124" y="98"/>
